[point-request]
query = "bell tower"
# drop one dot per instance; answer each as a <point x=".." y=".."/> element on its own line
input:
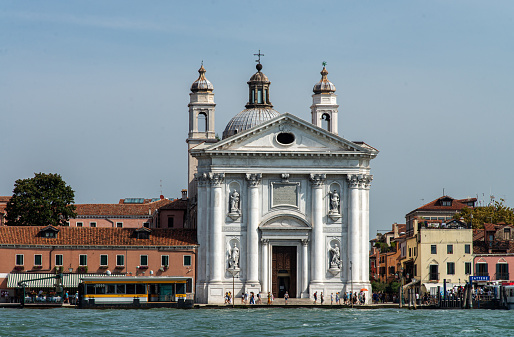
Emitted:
<point x="201" y="122"/>
<point x="324" y="103"/>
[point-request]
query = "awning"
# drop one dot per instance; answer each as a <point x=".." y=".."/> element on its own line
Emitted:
<point x="411" y="283"/>
<point x="68" y="280"/>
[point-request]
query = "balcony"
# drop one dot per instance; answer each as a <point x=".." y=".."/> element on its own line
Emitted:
<point x="501" y="276"/>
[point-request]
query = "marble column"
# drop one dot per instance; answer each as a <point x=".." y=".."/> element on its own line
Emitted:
<point x="305" y="268"/>
<point x="353" y="227"/>
<point x="265" y="266"/>
<point x="201" y="225"/>
<point x="318" y="244"/>
<point x="366" y="184"/>
<point x="217" y="256"/>
<point x="252" y="229"/>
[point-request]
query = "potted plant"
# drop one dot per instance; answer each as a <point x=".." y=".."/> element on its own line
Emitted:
<point x="58" y="269"/>
<point x="104" y="267"/>
<point x="82" y="269"/>
<point x="38" y="267"/>
<point x="120" y="267"/>
<point x="18" y="267"/>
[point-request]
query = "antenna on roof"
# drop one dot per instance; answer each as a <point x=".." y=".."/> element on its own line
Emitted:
<point x="161" y="179"/>
<point x="443" y="191"/>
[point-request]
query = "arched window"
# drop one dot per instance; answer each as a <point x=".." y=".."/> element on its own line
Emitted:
<point x="325" y="122"/>
<point x="202" y="122"/>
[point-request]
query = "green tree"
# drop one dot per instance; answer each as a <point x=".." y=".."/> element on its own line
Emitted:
<point x="41" y="201"/>
<point x="495" y="212"/>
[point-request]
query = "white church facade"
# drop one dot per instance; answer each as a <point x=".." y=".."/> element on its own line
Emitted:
<point x="282" y="204"/>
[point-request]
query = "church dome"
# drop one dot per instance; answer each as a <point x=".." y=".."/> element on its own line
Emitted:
<point x="247" y="119"/>
<point x="324" y="85"/>
<point x="202" y="84"/>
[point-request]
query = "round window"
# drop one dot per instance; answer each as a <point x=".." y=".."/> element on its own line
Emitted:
<point x="285" y="138"/>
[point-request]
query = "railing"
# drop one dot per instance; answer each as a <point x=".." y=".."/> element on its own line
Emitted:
<point x="481" y="273"/>
<point x="433" y="276"/>
<point x="501" y="276"/>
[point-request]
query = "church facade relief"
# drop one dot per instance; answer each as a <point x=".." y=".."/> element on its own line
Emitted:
<point x="282" y="203"/>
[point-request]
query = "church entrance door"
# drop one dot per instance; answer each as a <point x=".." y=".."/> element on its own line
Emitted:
<point x="283" y="272"/>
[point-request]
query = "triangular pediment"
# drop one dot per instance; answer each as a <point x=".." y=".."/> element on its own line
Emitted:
<point x="288" y="134"/>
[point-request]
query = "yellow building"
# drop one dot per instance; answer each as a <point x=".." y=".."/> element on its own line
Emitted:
<point x="438" y="252"/>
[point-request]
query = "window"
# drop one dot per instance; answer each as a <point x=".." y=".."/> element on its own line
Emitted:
<point x="146" y="224"/>
<point x="259" y="96"/>
<point x="433" y="249"/>
<point x="467" y="249"/>
<point x="49" y="234"/>
<point x="202" y="122"/>
<point x="434" y="272"/>
<point x="450" y="268"/>
<point x="467" y="268"/>
<point x="58" y="260"/>
<point x="171" y="221"/>
<point x="446" y="203"/>
<point x="189" y="285"/>
<point x="481" y="269"/>
<point x="119" y="224"/>
<point x="391" y="270"/>
<point x="415" y="250"/>
<point x="506" y="233"/>
<point x="502" y="271"/>
<point x="80" y="224"/>
<point x="415" y="270"/>
<point x="82" y="260"/>
<point x="187" y="260"/>
<point x="103" y="260"/>
<point x="19" y="259"/>
<point x="92" y="224"/>
<point x="38" y="260"/>
<point x="143" y="260"/>
<point x="165" y="260"/>
<point x="410" y="252"/>
<point x="120" y="260"/>
<point x="449" y="249"/>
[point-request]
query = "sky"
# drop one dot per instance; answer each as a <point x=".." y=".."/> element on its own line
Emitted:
<point x="97" y="91"/>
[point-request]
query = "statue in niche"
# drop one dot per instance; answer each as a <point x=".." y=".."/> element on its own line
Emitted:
<point x="334" y="202"/>
<point x="233" y="260"/>
<point x="335" y="257"/>
<point x="234" y="202"/>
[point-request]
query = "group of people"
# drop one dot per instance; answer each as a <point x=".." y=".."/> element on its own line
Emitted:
<point x="347" y="298"/>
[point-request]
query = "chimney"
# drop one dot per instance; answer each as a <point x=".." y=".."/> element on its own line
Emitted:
<point x="184" y="194"/>
<point x="395" y="229"/>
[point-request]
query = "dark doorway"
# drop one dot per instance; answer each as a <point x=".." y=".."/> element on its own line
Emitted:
<point x="283" y="272"/>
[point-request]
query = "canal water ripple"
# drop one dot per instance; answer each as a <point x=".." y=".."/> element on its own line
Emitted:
<point x="255" y="322"/>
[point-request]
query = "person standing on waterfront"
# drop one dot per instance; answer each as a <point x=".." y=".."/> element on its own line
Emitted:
<point x="242" y="298"/>
<point x="315" y="297"/>
<point x="331" y="298"/>
<point x="286" y="296"/>
<point x="321" y="298"/>
<point x="269" y="298"/>
<point x="337" y="298"/>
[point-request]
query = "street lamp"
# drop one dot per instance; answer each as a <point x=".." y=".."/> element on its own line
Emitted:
<point x="233" y="271"/>
<point x="351" y="283"/>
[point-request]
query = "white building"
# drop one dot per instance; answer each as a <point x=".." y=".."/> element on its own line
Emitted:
<point x="282" y="204"/>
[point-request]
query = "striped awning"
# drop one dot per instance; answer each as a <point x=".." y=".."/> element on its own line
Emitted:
<point x="68" y="280"/>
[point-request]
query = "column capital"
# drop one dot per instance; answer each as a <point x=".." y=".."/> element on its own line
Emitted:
<point x="317" y="180"/>
<point x="201" y="179"/>
<point x="216" y="179"/>
<point x="305" y="242"/>
<point x="354" y="180"/>
<point x="265" y="241"/>
<point x="367" y="181"/>
<point x="253" y="179"/>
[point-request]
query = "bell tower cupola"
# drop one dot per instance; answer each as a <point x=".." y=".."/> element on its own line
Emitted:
<point x="201" y="121"/>
<point x="324" y="103"/>
<point x="258" y="86"/>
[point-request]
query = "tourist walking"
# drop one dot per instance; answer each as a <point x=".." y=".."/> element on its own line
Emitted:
<point x="269" y="298"/>
<point x="337" y="298"/>
<point x="315" y="297"/>
<point x="286" y="296"/>
<point x="321" y="298"/>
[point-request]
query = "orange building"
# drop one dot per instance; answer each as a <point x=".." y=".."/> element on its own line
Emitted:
<point x="34" y="252"/>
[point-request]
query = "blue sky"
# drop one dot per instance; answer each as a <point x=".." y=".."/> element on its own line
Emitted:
<point x="97" y="91"/>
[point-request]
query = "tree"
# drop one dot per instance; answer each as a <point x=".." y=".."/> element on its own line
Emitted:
<point x="495" y="212"/>
<point x="41" y="201"/>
